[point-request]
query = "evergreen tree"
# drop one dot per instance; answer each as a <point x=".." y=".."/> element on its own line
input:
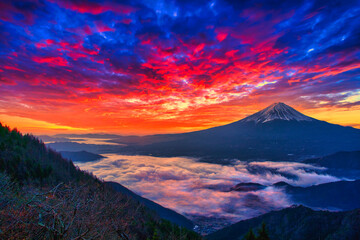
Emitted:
<point x="263" y="235"/>
<point x="155" y="236"/>
<point x="250" y="235"/>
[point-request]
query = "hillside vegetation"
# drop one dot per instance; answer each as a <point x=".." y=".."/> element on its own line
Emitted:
<point x="44" y="196"/>
<point x="297" y="223"/>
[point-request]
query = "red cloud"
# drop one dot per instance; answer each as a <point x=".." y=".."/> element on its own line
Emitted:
<point x="40" y="45"/>
<point x="101" y="27"/>
<point x="76" y="55"/>
<point x="49" y="41"/>
<point x="13" y="68"/>
<point x="221" y="36"/>
<point x="77" y="49"/>
<point x="95" y="8"/>
<point x="221" y="33"/>
<point x="57" y="61"/>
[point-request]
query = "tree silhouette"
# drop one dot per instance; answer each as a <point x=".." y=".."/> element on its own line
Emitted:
<point x="155" y="236"/>
<point x="263" y="235"/>
<point x="250" y="235"/>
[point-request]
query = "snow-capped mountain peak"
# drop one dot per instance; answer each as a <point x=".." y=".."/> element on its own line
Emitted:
<point x="278" y="111"/>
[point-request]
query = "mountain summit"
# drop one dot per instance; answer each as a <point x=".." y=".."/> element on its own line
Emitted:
<point x="277" y="111"/>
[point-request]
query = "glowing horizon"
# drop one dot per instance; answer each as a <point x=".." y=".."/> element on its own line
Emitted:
<point x="28" y="125"/>
<point x="145" y="67"/>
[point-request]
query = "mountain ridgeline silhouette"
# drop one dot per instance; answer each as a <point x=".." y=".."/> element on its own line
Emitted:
<point x="277" y="132"/>
<point x="297" y="223"/>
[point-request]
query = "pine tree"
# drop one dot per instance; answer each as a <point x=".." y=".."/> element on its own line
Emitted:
<point x="155" y="236"/>
<point x="250" y="235"/>
<point x="263" y="235"/>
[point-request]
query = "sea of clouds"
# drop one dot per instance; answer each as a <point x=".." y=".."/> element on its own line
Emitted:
<point x="201" y="191"/>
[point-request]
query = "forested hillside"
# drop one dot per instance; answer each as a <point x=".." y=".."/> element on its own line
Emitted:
<point x="44" y="196"/>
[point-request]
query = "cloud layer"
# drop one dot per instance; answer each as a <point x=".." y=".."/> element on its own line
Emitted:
<point x="175" y="65"/>
<point x="200" y="190"/>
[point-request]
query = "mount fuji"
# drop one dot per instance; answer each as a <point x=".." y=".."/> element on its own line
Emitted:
<point x="277" y="111"/>
<point x="278" y="133"/>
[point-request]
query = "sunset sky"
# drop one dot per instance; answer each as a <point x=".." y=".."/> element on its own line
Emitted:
<point x="141" y="67"/>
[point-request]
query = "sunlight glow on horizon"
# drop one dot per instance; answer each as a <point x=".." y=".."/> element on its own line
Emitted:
<point x="27" y="125"/>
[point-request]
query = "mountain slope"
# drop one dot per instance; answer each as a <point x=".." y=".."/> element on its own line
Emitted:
<point x="163" y="212"/>
<point x="44" y="196"/>
<point x="81" y="156"/>
<point x="278" y="132"/>
<point x="339" y="160"/>
<point x="298" y="223"/>
<point x="342" y="195"/>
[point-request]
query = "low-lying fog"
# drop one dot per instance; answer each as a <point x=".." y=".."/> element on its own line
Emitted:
<point x="201" y="191"/>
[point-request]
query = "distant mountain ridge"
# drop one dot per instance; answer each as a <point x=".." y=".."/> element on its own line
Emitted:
<point x="81" y="156"/>
<point x="341" y="195"/>
<point x="298" y="223"/>
<point x="339" y="160"/>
